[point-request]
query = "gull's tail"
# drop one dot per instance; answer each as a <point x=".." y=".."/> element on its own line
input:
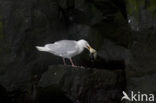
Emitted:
<point x="40" y="48"/>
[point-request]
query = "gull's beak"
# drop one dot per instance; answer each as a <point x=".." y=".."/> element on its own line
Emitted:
<point x="92" y="51"/>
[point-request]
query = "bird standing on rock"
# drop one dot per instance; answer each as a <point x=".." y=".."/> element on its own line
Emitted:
<point x="67" y="49"/>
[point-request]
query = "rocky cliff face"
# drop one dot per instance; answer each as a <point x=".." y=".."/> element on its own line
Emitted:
<point x="141" y="18"/>
<point x="84" y="85"/>
<point x="123" y="33"/>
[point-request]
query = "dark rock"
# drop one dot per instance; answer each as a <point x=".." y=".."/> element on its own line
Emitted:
<point x="109" y="56"/>
<point x="27" y="23"/>
<point x="4" y="95"/>
<point x="15" y="78"/>
<point x="141" y="71"/>
<point x="84" y="84"/>
<point x="52" y="94"/>
<point x="112" y="51"/>
<point x="141" y="14"/>
<point x="103" y="23"/>
<point x="145" y="83"/>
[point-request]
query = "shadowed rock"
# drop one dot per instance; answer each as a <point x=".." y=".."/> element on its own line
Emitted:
<point x="83" y="85"/>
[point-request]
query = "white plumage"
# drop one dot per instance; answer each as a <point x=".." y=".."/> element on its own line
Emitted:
<point x="66" y="48"/>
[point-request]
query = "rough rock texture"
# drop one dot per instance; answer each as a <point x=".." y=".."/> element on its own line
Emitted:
<point x="122" y="31"/>
<point x="141" y="72"/>
<point x="27" y="23"/>
<point x="83" y="85"/>
<point x="141" y="14"/>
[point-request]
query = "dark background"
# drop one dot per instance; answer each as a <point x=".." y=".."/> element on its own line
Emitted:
<point x="122" y="31"/>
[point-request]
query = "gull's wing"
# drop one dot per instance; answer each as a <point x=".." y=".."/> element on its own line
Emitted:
<point x="63" y="47"/>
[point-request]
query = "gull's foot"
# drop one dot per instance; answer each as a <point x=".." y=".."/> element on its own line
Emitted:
<point x="74" y="66"/>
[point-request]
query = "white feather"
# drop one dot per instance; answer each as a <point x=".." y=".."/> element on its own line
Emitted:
<point x="39" y="48"/>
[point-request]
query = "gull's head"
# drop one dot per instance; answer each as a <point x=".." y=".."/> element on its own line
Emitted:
<point x="86" y="45"/>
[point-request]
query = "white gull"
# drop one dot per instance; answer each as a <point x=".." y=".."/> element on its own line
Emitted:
<point x="67" y="49"/>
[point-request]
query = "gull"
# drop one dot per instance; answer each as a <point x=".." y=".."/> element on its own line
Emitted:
<point x="67" y="49"/>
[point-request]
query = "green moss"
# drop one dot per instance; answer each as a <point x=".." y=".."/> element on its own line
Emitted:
<point x="152" y="7"/>
<point x="133" y="7"/>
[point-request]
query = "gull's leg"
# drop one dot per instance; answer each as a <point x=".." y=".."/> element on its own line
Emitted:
<point x="72" y="63"/>
<point x="64" y="62"/>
